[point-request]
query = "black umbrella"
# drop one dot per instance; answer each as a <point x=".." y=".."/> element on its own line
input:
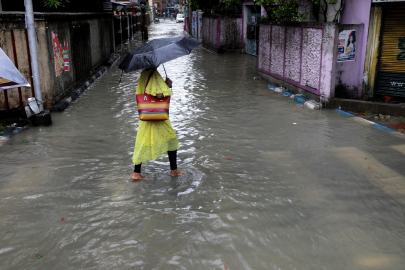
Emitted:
<point x="157" y="52"/>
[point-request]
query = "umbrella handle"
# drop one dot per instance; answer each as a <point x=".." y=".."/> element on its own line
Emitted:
<point x="165" y="70"/>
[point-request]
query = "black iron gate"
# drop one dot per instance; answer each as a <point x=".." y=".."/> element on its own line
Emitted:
<point x="80" y="36"/>
<point x="252" y="33"/>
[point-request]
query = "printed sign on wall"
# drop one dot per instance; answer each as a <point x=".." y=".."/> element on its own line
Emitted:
<point x="347" y="46"/>
<point x="200" y="26"/>
<point x="194" y="24"/>
<point x="186" y="11"/>
<point x="61" y="54"/>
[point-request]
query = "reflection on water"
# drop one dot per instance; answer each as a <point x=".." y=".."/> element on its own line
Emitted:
<point x="326" y="193"/>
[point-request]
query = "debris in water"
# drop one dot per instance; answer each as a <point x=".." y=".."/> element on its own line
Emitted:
<point x="259" y="208"/>
<point x="39" y="256"/>
<point x="229" y="158"/>
<point x="63" y="219"/>
<point x="266" y="228"/>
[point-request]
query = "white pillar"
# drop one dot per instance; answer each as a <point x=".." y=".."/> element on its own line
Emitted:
<point x="33" y="50"/>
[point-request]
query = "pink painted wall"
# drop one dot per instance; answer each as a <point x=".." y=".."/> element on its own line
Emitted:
<point x="311" y="57"/>
<point x="210" y="26"/>
<point x="230" y="32"/>
<point x="351" y="73"/>
<point x="302" y="54"/>
<point x="264" y="50"/>
<point x="226" y="36"/>
<point x="293" y="54"/>
<point x="263" y="12"/>
<point x="277" y="50"/>
<point x="329" y="56"/>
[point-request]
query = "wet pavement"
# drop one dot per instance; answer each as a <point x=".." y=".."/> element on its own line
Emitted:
<point x="392" y="122"/>
<point x="268" y="183"/>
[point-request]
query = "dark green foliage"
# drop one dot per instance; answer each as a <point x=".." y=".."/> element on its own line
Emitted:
<point x="278" y="10"/>
<point x="52" y="3"/>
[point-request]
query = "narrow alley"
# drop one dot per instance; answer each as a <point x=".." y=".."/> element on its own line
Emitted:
<point x="269" y="184"/>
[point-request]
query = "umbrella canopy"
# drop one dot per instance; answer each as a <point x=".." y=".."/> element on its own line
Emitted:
<point x="10" y="77"/>
<point x="158" y="51"/>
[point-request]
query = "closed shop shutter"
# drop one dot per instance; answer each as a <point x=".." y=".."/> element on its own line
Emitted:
<point x="391" y="75"/>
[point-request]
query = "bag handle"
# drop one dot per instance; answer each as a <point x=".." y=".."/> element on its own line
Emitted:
<point x="150" y="76"/>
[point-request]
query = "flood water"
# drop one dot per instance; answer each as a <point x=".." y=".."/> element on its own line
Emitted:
<point x="268" y="184"/>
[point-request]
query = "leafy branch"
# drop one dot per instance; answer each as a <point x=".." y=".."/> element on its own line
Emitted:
<point x="54" y="3"/>
<point x="279" y="10"/>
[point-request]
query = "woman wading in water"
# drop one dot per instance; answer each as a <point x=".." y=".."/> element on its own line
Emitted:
<point x="155" y="139"/>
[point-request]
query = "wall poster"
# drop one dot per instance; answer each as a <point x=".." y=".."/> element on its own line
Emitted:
<point x="194" y="24"/>
<point x="186" y="11"/>
<point x="61" y="54"/>
<point x="347" y="46"/>
<point x="200" y="26"/>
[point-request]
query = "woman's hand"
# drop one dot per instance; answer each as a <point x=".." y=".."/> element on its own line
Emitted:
<point x="169" y="82"/>
<point x="159" y="96"/>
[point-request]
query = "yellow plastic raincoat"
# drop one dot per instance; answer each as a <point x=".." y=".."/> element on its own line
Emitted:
<point x="154" y="138"/>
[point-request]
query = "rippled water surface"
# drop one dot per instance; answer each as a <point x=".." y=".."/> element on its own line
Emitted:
<point x="303" y="189"/>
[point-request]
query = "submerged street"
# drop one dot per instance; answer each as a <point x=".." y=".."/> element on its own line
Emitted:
<point x="268" y="184"/>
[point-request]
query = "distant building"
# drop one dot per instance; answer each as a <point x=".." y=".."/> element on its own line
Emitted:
<point x="160" y="6"/>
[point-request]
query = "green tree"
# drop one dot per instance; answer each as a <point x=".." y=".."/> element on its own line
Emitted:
<point x="54" y="3"/>
<point x="285" y="10"/>
<point x="278" y="10"/>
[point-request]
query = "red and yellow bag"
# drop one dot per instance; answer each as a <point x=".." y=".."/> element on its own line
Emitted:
<point x="151" y="108"/>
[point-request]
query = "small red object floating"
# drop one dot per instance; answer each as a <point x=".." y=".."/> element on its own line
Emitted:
<point x="63" y="219"/>
<point x="229" y="158"/>
<point x="267" y="228"/>
<point x="369" y="168"/>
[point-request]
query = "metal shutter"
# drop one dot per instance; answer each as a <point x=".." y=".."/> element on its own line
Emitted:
<point x="391" y="74"/>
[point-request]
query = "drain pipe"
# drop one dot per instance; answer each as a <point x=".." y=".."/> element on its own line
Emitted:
<point x="29" y="11"/>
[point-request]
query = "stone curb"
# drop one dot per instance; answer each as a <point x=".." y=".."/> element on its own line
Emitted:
<point x="299" y="98"/>
<point x="3" y="140"/>
<point x="64" y="103"/>
<point x="113" y="59"/>
<point x="11" y="131"/>
<point x="363" y="106"/>
<point x="371" y="123"/>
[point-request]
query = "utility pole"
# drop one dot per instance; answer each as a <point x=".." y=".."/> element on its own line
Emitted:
<point x="41" y="117"/>
<point x="29" y="11"/>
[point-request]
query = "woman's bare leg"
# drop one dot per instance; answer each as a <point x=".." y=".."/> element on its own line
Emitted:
<point x="175" y="172"/>
<point x="173" y="163"/>
<point x="137" y="177"/>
